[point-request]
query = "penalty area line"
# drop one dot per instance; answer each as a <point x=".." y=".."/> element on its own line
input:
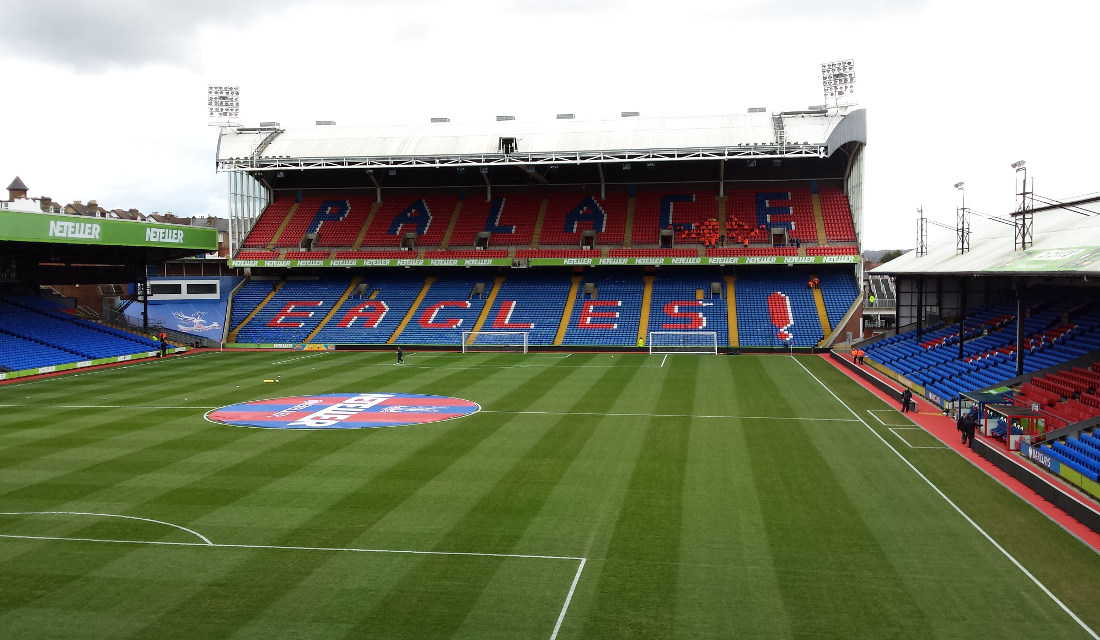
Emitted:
<point x="662" y="415"/>
<point x="208" y="545"/>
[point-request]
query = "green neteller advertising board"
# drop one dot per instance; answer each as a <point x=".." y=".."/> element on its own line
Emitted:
<point x="43" y="227"/>
<point x="550" y="262"/>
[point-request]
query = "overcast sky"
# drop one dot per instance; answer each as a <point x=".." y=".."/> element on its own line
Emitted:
<point x="105" y="99"/>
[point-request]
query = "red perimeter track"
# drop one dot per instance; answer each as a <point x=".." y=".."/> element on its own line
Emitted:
<point x="932" y="420"/>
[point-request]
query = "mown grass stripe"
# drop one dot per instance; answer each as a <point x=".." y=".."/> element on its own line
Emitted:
<point x="636" y="592"/>
<point x="813" y="526"/>
<point x="724" y="558"/>
<point x="512" y="503"/>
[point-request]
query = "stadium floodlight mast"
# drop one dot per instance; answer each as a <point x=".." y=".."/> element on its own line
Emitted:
<point x="223" y="105"/>
<point x="962" y="223"/>
<point x="838" y="79"/>
<point x="1023" y="216"/>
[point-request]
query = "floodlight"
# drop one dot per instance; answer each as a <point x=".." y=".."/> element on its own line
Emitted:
<point x="223" y="105"/>
<point x="958" y="185"/>
<point x="837" y="78"/>
<point x="1019" y="164"/>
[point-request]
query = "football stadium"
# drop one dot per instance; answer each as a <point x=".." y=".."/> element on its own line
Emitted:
<point x="623" y="378"/>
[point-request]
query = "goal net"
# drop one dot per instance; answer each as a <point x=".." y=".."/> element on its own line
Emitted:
<point x="494" y="341"/>
<point x="683" y="342"/>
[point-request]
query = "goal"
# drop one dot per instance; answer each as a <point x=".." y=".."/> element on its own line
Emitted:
<point x="683" y="342"/>
<point x="515" y="341"/>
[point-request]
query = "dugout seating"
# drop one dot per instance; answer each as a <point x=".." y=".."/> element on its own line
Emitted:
<point x="758" y="312"/>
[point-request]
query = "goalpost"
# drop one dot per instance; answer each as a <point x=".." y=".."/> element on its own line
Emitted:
<point x="513" y="341"/>
<point x="683" y="342"/>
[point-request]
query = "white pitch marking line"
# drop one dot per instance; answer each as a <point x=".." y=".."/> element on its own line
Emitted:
<point x="956" y="507"/>
<point x="208" y="544"/>
<point x="662" y="415"/>
<point x="895" y="430"/>
<point x="663" y="361"/>
<point x="312" y="355"/>
<point x="872" y="412"/>
<point x="273" y="547"/>
<point x="568" y="598"/>
<point x="15" y="381"/>
<point x="101" y="406"/>
<point x="198" y="535"/>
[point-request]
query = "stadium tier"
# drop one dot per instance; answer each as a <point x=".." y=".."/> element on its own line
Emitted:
<point x="560" y="219"/>
<point x="598" y="308"/>
<point x="37" y="333"/>
<point x="1057" y="331"/>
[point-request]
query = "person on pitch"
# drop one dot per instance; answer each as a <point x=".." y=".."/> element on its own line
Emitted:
<point x="400" y="355"/>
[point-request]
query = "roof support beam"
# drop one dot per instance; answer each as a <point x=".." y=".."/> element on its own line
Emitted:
<point x="377" y="187"/>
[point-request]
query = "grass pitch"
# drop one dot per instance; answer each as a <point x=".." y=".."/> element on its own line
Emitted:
<point x="591" y="497"/>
